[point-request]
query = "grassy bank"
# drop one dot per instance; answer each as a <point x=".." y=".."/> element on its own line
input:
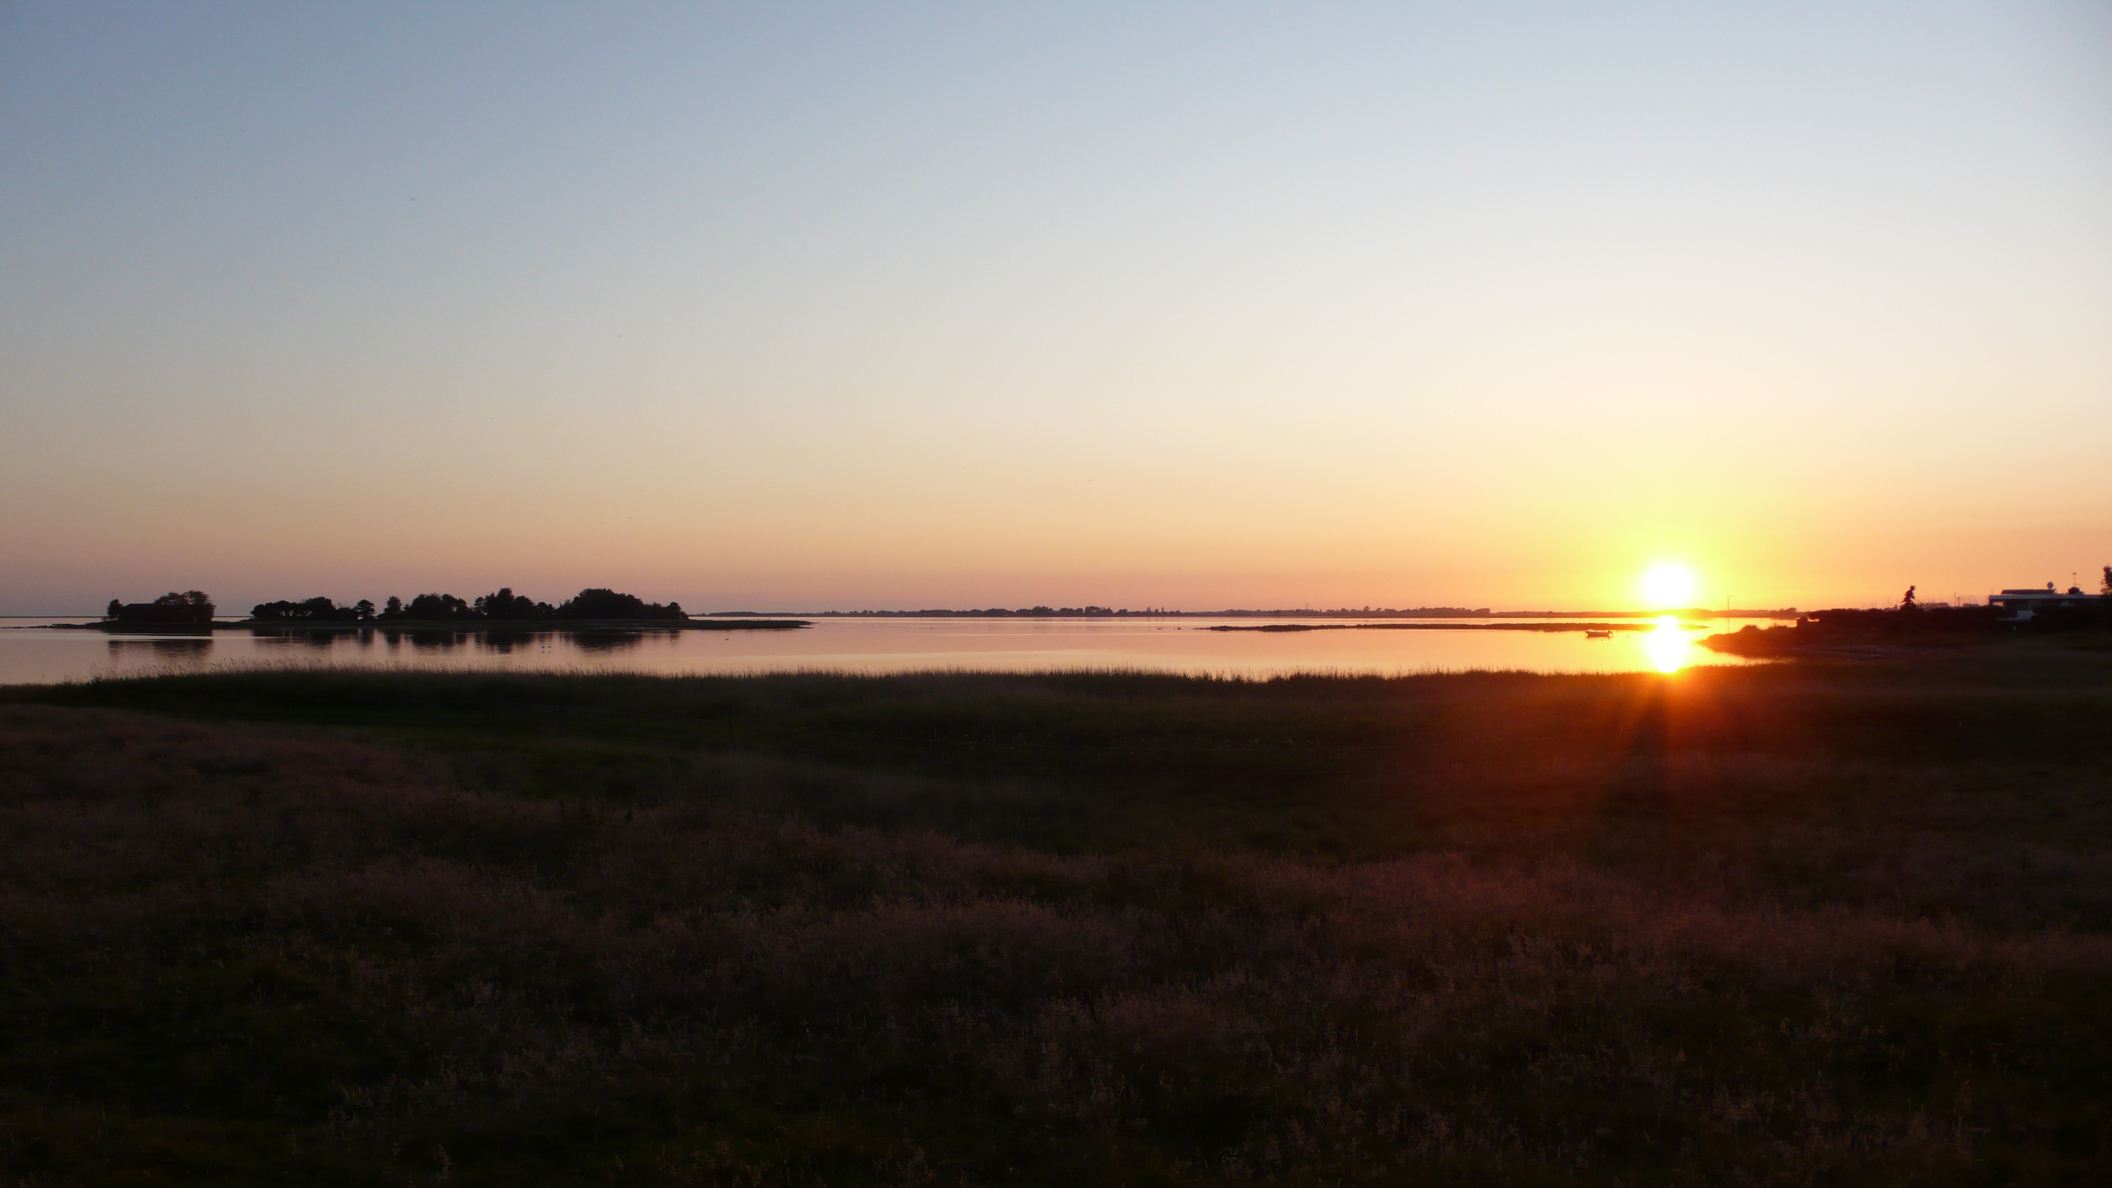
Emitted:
<point x="1775" y="925"/>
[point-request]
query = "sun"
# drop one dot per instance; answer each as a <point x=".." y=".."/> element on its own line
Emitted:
<point x="1669" y="585"/>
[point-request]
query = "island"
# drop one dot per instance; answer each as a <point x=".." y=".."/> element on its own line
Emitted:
<point x="595" y="609"/>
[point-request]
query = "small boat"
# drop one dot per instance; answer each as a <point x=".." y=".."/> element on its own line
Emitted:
<point x="1598" y="635"/>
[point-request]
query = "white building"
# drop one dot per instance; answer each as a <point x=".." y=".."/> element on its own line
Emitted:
<point x="2023" y="604"/>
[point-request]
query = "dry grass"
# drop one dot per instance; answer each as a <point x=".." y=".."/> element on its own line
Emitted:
<point x="245" y="954"/>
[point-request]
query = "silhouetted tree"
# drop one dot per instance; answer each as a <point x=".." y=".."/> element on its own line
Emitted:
<point x="601" y="603"/>
<point x="393" y="607"/>
<point x="318" y="609"/>
<point x="439" y="608"/>
<point x="117" y="608"/>
<point x="191" y="606"/>
<point x="2106" y="588"/>
<point x="507" y="606"/>
<point x="364" y="609"/>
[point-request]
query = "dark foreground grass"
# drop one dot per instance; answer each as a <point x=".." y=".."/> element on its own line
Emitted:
<point x="1801" y="925"/>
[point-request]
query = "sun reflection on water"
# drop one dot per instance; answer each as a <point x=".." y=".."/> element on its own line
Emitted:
<point x="1667" y="645"/>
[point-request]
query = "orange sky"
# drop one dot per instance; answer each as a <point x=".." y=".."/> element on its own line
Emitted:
<point x="807" y="308"/>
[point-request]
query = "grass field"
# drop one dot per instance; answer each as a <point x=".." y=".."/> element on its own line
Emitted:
<point x="1834" y="924"/>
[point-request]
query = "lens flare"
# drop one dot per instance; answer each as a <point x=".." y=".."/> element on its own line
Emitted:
<point x="1667" y="586"/>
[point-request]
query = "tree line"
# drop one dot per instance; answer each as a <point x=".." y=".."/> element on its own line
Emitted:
<point x="191" y="606"/>
<point x="500" y="606"/>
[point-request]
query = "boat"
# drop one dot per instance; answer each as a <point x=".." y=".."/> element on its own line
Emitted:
<point x="1598" y="635"/>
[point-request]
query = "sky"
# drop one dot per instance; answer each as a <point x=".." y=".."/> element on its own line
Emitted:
<point x="830" y="306"/>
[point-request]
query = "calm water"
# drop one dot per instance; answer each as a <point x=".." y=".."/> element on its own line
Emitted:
<point x="864" y="645"/>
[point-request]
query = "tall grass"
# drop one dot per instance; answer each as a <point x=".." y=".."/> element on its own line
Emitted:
<point x="682" y="933"/>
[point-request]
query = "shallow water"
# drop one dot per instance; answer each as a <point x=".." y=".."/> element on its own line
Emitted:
<point x="30" y="655"/>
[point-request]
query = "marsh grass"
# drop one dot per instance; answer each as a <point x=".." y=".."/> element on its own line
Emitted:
<point x="1764" y="926"/>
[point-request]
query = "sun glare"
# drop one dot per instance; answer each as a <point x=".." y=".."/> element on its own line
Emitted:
<point x="1668" y="645"/>
<point x="1667" y="586"/>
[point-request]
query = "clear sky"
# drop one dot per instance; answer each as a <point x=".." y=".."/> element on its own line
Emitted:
<point x="895" y="305"/>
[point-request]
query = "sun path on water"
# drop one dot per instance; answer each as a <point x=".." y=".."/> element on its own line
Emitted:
<point x="1668" y="586"/>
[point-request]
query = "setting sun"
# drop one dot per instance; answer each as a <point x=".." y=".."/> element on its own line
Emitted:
<point x="1668" y="586"/>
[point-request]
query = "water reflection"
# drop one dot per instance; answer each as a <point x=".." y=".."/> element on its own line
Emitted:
<point x="504" y="642"/>
<point x="905" y="645"/>
<point x="269" y="642"/>
<point x="484" y="642"/>
<point x="1668" y="645"/>
<point x="192" y="648"/>
<point x="606" y="642"/>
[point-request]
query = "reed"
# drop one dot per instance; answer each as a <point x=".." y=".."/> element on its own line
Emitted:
<point x="1763" y="926"/>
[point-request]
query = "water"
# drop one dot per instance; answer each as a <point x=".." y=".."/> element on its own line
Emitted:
<point x="29" y="655"/>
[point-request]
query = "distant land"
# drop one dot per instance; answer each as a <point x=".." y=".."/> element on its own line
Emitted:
<point x="603" y="610"/>
<point x="595" y="609"/>
<point x="501" y="626"/>
<point x="1420" y="612"/>
<point x="600" y="608"/>
<point x="1588" y="626"/>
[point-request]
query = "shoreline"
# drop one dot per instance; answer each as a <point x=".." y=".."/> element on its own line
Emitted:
<point x="1585" y="627"/>
<point x="1694" y="612"/>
